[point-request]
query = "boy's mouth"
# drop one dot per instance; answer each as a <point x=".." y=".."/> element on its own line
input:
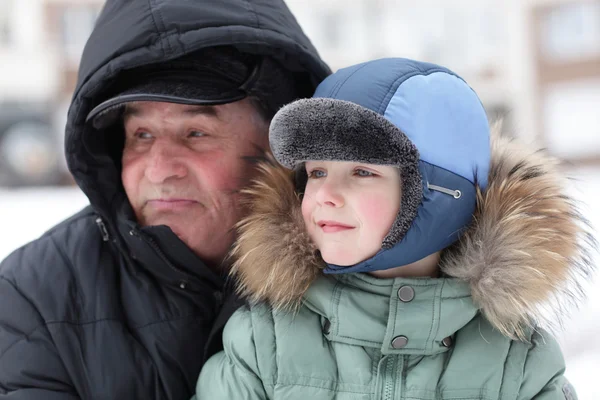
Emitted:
<point x="333" y="226"/>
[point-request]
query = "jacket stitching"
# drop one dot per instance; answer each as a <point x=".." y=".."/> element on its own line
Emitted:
<point x="253" y="12"/>
<point x="334" y="383"/>
<point x="101" y="83"/>
<point x="337" y="293"/>
<point x="438" y="289"/>
<point x="27" y="335"/>
<point x="69" y="265"/>
<point x="348" y="77"/>
<point x="137" y="327"/>
<point x="163" y="30"/>
<point x="160" y="34"/>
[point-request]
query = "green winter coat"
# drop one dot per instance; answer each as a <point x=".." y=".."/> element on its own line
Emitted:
<point x="467" y="335"/>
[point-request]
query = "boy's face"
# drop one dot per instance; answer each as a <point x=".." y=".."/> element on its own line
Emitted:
<point x="349" y="208"/>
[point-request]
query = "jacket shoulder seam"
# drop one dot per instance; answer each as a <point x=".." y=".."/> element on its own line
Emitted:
<point x="62" y="226"/>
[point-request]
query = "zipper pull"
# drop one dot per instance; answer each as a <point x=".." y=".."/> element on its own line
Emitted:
<point x="454" y="193"/>
<point x="103" y="230"/>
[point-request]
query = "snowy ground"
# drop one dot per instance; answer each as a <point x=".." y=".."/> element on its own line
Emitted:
<point x="26" y="214"/>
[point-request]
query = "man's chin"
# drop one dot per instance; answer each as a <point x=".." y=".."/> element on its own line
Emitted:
<point x="173" y="220"/>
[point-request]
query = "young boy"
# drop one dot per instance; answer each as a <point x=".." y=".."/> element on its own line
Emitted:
<point x="406" y="255"/>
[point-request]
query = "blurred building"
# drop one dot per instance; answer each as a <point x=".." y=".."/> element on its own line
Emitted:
<point x="40" y="45"/>
<point x="536" y="63"/>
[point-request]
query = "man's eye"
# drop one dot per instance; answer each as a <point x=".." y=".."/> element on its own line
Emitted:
<point x="317" y="173"/>
<point x="143" y="135"/>
<point x="363" y="172"/>
<point x="196" y="134"/>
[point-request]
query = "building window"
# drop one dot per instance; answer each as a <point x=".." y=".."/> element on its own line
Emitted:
<point x="571" y="32"/>
<point x="6" y="38"/>
<point x="77" y="23"/>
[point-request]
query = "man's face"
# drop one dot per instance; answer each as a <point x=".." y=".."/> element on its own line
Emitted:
<point x="184" y="165"/>
<point x="349" y="208"/>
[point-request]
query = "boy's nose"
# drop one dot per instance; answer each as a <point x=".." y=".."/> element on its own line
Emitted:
<point x="329" y="194"/>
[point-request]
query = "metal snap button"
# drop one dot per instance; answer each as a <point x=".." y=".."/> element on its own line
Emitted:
<point x="326" y="326"/>
<point x="399" y="342"/>
<point x="447" y="341"/>
<point x="406" y="294"/>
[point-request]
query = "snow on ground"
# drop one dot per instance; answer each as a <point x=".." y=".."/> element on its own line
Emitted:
<point x="26" y="214"/>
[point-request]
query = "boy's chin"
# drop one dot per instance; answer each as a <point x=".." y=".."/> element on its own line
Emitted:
<point x="342" y="257"/>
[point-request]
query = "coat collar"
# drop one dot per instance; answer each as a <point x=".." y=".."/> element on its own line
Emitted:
<point x="361" y="310"/>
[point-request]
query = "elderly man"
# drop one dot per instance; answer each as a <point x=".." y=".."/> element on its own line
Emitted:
<point x="126" y="298"/>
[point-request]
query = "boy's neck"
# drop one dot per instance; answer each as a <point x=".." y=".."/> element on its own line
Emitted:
<point x="427" y="267"/>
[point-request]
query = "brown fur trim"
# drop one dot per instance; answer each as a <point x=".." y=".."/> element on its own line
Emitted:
<point x="275" y="261"/>
<point x="527" y="245"/>
<point x="524" y="256"/>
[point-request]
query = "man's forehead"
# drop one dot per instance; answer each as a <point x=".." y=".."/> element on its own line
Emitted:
<point x="148" y="108"/>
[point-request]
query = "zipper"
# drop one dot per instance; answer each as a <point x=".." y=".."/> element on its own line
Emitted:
<point x="103" y="230"/>
<point x="152" y="243"/>
<point x="454" y="193"/>
<point x="388" y="390"/>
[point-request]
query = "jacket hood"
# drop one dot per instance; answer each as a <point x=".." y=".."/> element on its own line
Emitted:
<point x="133" y="33"/>
<point x="527" y="247"/>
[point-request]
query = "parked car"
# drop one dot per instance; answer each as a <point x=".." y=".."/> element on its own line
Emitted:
<point x="29" y="152"/>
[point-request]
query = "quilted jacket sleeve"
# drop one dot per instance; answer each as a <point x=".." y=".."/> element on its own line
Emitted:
<point x="234" y="372"/>
<point x="543" y="375"/>
<point x="30" y="366"/>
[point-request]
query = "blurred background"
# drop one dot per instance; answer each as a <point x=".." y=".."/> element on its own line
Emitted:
<point x="535" y="63"/>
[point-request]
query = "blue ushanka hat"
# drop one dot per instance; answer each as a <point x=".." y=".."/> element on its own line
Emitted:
<point x="418" y="116"/>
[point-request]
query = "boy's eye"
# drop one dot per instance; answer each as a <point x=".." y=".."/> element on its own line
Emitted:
<point x="317" y="173"/>
<point x="363" y="172"/>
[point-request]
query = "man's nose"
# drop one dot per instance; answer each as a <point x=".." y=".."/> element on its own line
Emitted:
<point x="330" y="194"/>
<point x="165" y="162"/>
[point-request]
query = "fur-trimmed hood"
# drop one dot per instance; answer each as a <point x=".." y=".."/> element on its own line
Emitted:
<point x="528" y="245"/>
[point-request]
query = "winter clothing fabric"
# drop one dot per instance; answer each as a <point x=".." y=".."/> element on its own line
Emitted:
<point x="471" y="334"/>
<point x="99" y="307"/>
<point x="217" y="75"/>
<point x="373" y="112"/>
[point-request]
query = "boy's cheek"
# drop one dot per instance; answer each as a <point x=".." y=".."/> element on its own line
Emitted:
<point x="378" y="211"/>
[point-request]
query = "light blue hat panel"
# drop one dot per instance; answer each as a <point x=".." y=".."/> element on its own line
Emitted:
<point x="444" y="118"/>
<point x="372" y="84"/>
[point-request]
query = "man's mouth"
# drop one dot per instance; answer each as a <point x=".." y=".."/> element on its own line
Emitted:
<point x="170" y="203"/>
<point x="333" y="226"/>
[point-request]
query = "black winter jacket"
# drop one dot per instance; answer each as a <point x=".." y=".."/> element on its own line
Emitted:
<point x="99" y="307"/>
